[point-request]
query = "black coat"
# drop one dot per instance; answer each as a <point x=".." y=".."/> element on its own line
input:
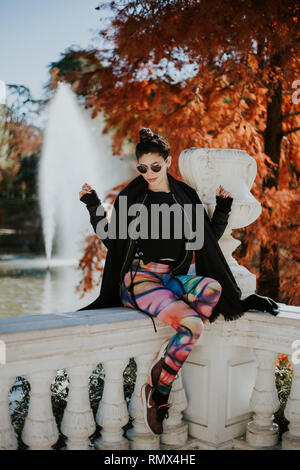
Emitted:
<point x="209" y="260"/>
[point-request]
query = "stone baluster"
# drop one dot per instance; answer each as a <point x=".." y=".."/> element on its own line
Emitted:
<point x="78" y="421"/>
<point x="40" y="430"/>
<point x="140" y="436"/>
<point x="8" y="440"/>
<point x="112" y="413"/>
<point x="291" y="438"/>
<point x="262" y="432"/>
<point x="175" y="433"/>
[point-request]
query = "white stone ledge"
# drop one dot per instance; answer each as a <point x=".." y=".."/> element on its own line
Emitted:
<point x="260" y="330"/>
<point x="66" y="319"/>
<point x="93" y="336"/>
<point x="80" y="338"/>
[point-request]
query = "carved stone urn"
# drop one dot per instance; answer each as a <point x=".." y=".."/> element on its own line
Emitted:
<point x="205" y="169"/>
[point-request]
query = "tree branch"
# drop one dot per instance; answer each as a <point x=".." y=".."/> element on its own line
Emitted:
<point x="179" y="107"/>
<point x="284" y="116"/>
<point x="291" y="130"/>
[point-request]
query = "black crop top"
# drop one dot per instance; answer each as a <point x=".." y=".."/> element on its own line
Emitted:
<point x="158" y="249"/>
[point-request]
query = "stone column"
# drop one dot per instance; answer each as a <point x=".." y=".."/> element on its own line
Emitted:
<point x="112" y="413"/>
<point x="140" y="436"/>
<point x="78" y="420"/>
<point x="40" y="431"/>
<point x="8" y="440"/>
<point x="175" y="433"/>
<point x="262" y="432"/>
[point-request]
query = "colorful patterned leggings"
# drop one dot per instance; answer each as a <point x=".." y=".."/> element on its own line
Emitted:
<point x="184" y="302"/>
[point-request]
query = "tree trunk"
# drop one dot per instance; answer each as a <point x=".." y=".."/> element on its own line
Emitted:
<point x="268" y="282"/>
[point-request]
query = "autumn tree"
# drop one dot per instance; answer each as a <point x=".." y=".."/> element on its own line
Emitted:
<point x="210" y="74"/>
<point x="19" y="138"/>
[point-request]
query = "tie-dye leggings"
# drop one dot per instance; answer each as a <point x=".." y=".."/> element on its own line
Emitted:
<point x="184" y="302"/>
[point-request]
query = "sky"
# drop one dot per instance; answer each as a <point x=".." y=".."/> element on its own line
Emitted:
<point x="33" y="33"/>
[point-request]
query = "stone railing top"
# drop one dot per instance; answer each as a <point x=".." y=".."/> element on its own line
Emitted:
<point x="289" y="315"/>
<point x="119" y="325"/>
<point x="66" y="319"/>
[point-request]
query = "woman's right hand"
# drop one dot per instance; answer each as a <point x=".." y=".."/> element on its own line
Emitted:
<point x="86" y="189"/>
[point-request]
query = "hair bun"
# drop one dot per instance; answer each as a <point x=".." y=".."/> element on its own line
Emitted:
<point x="150" y="142"/>
<point x="146" y="134"/>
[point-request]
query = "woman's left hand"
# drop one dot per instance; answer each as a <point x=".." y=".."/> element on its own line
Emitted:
<point x="221" y="192"/>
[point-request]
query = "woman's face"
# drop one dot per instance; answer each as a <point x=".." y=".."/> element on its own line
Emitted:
<point x="153" y="178"/>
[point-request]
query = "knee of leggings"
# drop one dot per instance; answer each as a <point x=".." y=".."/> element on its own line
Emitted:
<point x="193" y="324"/>
<point x="215" y="285"/>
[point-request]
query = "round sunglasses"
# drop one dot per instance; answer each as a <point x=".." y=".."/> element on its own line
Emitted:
<point x="155" y="167"/>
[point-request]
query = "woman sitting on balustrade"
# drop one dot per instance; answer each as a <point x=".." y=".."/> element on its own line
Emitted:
<point x="151" y="274"/>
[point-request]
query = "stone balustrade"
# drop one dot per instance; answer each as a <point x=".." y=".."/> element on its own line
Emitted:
<point x="38" y="346"/>
<point x="225" y="396"/>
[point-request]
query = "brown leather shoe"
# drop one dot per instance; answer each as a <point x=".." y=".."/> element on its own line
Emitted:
<point x="156" y="366"/>
<point x="150" y="410"/>
<point x="163" y="411"/>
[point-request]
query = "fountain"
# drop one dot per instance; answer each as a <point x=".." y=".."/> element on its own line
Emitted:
<point x="74" y="152"/>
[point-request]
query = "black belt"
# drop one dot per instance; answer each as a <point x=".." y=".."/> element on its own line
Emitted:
<point x="148" y="260"/>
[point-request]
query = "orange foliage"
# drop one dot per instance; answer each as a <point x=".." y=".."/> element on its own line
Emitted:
<point x="283" y="360"/>
<point x="92" y="260"/>
<point x="232" y="56"/>
<point x="23" y="140"/>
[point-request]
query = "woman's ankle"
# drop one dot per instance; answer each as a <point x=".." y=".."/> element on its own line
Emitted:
<point x="160" y="398"/>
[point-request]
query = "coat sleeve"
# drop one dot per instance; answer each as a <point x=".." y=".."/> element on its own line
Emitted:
<point x="220" y="216"/>
<point x="92" y="203"/>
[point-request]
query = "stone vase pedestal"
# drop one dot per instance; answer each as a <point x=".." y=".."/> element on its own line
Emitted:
<point x="218" y="375"/>
<point x="206" y="169"/>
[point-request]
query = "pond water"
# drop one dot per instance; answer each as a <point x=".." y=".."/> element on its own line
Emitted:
<point x="29" y="287"/>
